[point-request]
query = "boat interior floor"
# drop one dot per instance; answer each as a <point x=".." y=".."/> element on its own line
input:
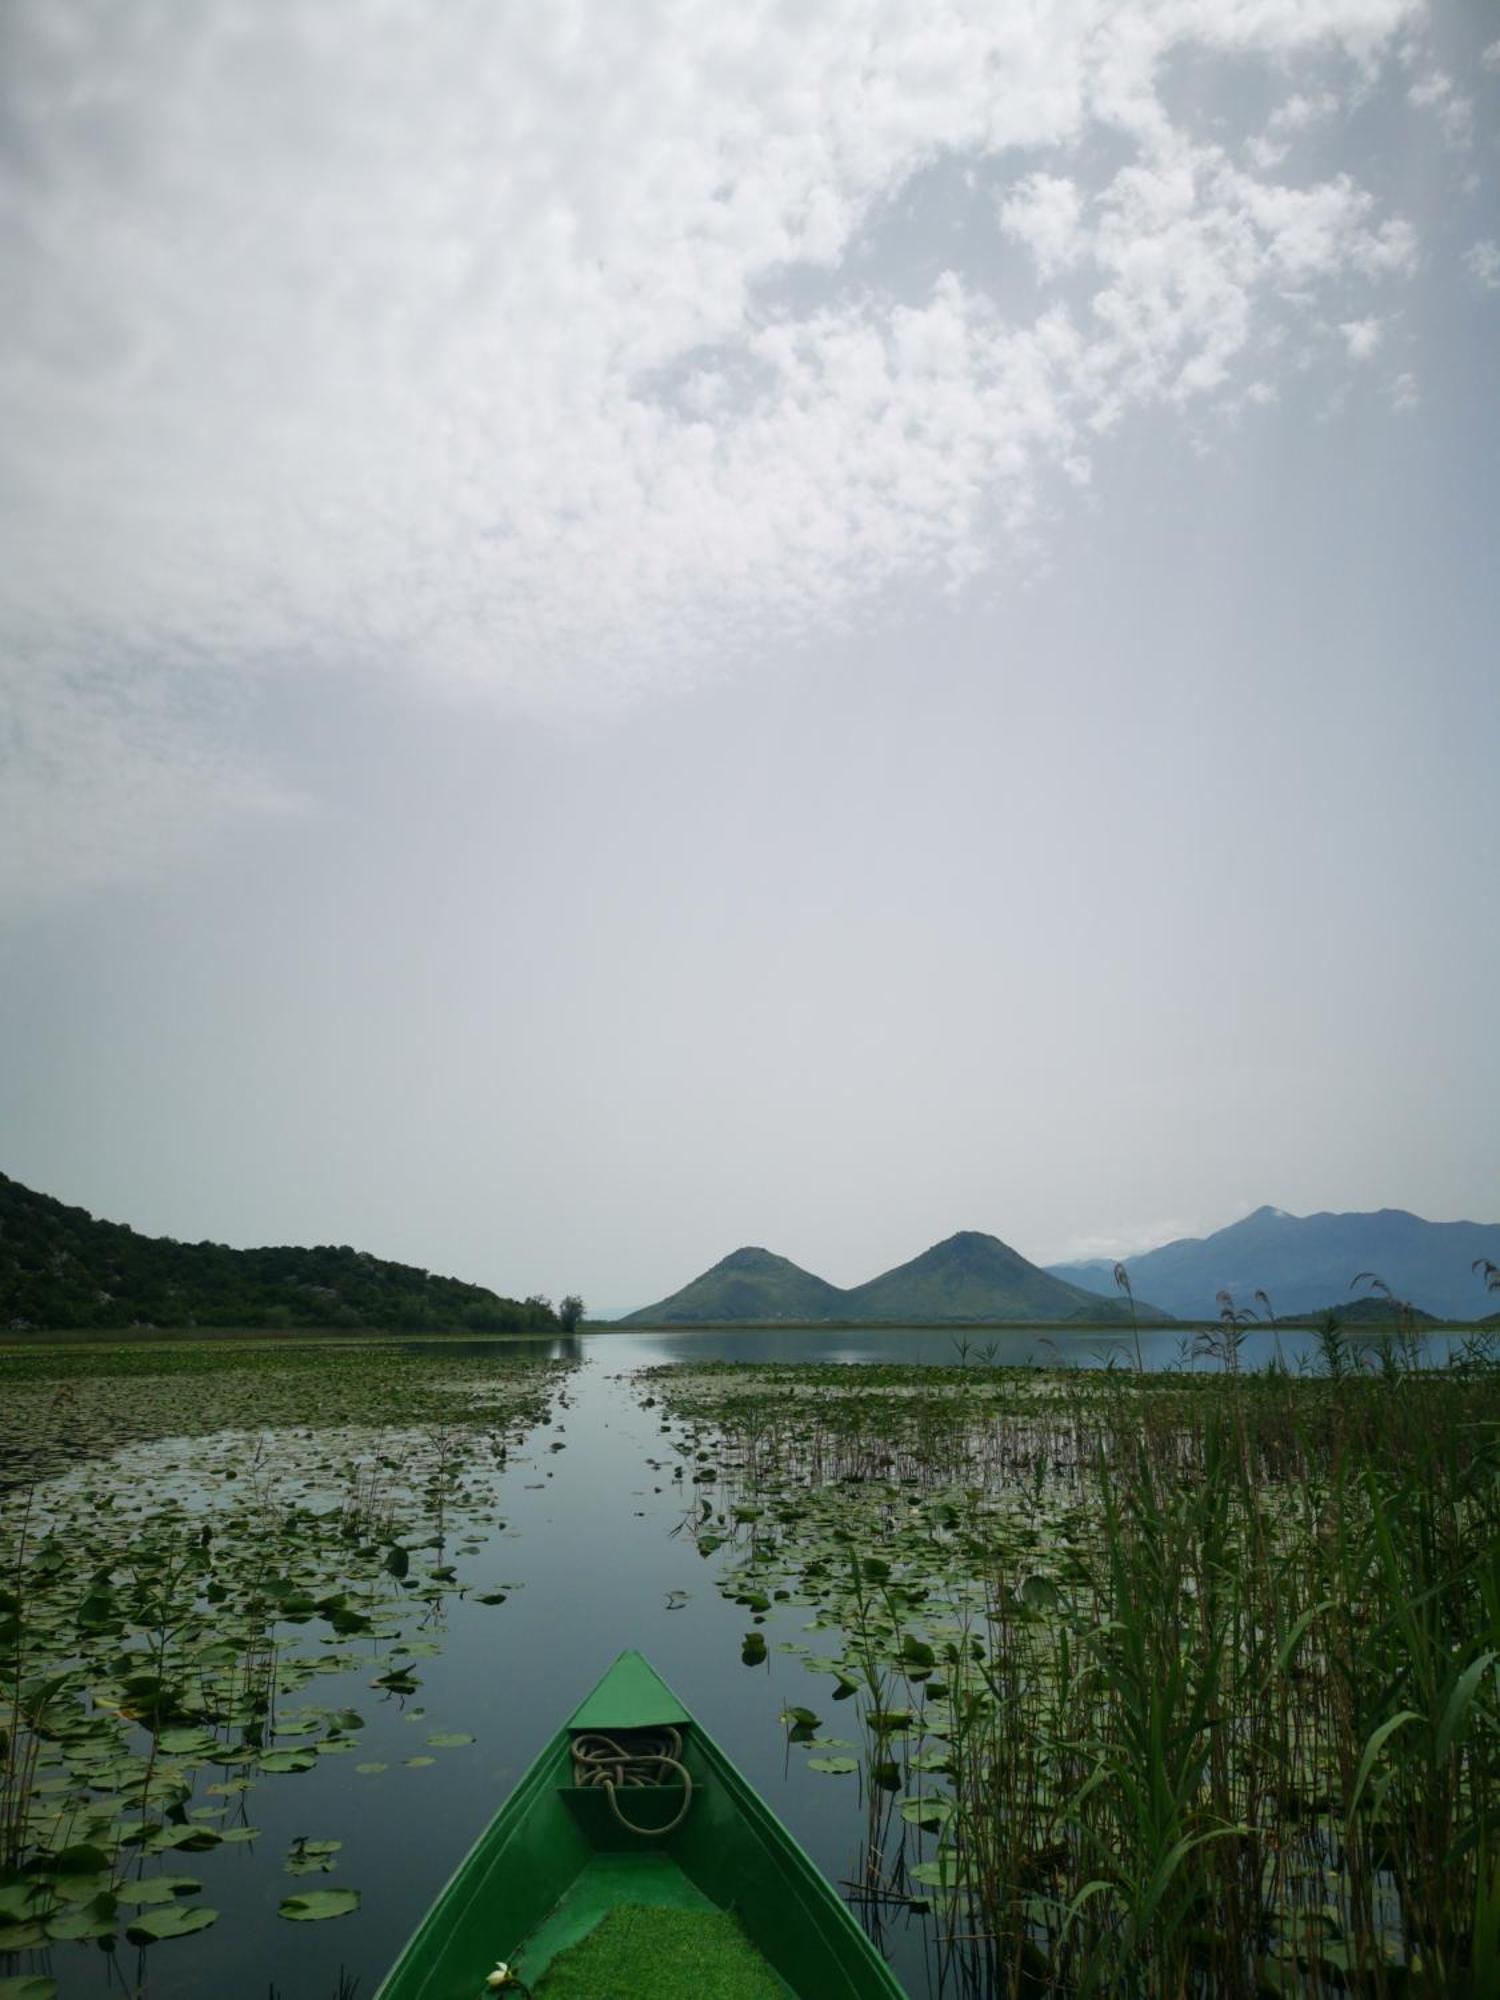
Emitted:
<point x="613" y="1888"/>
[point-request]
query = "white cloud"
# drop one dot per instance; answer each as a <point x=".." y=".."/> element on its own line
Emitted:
<point x="1361" y="337"/>
<point x="1430" y="89"/>
<point x="447" y="343"/>
<point x="1455" y="114"/>
<point x="1296" y="114"/>
<point x="1122" y="1245"/>
<point x="1404" y="393"/>
<point x="1045" y="212"/>
<point x="1482" y="261"/>
<point x="1491" y="56"/>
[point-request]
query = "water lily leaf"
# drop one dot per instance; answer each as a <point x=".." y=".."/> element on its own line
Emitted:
<point x="1040" y="1593"/>
<point x="312" y="1857"/>
<point x="94" y="1919"/>
<point x="29" y="1986"/>
<point x="929" y="1813"/>
<point x="196" y="1839"/>
<point x="170" y="1920"/>
<point x="282" y="1761"/>
<point x="157" y="1889"/>
<point x="418" y="1763"/>
<point x="837" y="1766"/>
<point x="753" y="1650"/>
<point x="315" y="1906"/>
<point x="452" y="1740"/>
<point x="82" y="1859"/>
<point x="187" y="1743"/>
<point x="369" y="1770"/>
<point x="943" y="1873"/>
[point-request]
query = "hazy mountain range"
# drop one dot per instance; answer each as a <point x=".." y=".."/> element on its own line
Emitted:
<point x="1306" y="1262"/>
<point x="969" y="1278"/>
<point x="1304" y="1265"/>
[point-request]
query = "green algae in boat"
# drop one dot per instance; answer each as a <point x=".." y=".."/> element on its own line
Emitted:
<point x="560" y="1858"/>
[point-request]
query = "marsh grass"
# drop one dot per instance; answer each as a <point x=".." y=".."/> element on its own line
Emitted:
<point x="1168" y="1685"/>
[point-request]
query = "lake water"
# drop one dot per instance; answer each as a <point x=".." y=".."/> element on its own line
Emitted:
<point x="592" y="1549"/>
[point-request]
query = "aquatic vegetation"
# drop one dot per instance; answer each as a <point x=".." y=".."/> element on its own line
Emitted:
<point x="169" y="1609"/>
<point x="1165" y="1685"/>
<point x="65" y="1403"/>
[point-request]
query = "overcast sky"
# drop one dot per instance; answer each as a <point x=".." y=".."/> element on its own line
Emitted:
<point x="630" y="627"/>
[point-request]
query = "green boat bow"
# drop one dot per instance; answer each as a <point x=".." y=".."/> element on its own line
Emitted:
<point x="632" y="1807"/>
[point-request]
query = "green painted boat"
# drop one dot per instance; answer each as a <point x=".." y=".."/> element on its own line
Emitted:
<point x="630" y="1814"/>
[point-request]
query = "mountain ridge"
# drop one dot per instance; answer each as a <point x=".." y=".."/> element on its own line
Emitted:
<point x="1303" y="1262"/>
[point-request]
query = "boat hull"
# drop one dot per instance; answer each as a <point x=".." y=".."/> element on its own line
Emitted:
<point x="555" y="1861"/>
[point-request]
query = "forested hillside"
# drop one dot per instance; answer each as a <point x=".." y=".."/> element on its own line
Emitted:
<point x="61" y="1268"/>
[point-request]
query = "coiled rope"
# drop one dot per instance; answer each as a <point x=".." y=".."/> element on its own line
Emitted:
<point x="644" y="1759"/>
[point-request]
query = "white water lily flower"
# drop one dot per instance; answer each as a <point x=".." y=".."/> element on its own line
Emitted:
<point x="500" y="1976"/>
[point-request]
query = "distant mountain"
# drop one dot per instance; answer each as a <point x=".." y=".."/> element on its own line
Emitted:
<point x="61" y="1268"/>
<point x="970" y="1279"/>
<point x="747" y="1284"/>
<point x="1302" y="1262"/>
<point x="975" y="1277"/>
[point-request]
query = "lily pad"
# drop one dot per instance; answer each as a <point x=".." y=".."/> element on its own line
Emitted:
<point x="170" y="1920"/>
<point x="157" y="1889"/>
<point x="315" y="1906"/>
<point x="279" y="1762"/>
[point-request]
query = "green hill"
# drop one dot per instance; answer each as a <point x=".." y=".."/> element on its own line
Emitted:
<point x="61" y="1268"/>
<point x="969" y="1279"/>
<point x="976" y="1277"/>
<point x="1376" y="1313"/>
<point x="747" y="1284"/>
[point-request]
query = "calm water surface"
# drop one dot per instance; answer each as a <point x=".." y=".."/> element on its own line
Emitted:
<point x="589" y="1544"/>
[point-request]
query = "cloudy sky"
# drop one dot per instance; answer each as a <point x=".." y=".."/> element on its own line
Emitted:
<point x="633" y="626"/>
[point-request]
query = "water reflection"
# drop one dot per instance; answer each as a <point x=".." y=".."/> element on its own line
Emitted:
<point x="987" y="1346"/>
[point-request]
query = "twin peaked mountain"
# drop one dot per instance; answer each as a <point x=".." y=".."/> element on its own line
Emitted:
<point x="969" y="1278"/>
